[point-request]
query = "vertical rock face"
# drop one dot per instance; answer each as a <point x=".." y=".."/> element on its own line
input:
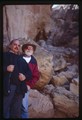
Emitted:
<point x="23" y="21"/>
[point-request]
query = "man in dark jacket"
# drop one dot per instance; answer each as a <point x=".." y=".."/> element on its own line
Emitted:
<point x="14" y="86"/>
<point x="28" y="50"/>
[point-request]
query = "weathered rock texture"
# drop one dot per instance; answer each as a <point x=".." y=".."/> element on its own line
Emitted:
<point x="53" y="102"/>
<point x="40" y="105"/>
<point x="57" y="55"/>
<point x="65" y="30"/>
<point x="23" y="21"/>
<point x="65" y="102"/>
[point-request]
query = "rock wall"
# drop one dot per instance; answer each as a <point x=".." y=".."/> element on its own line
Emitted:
<point x="65" y="30"/>
<point x="58" y="86"/>
<point x="23" y="21"/>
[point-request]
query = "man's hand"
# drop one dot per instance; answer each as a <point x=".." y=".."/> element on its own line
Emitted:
<point x="21" y="77"/>
<point x="28" y="87"/>
<point x="10" y="68"/>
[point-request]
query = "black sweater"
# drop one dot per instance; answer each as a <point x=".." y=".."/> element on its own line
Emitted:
<point x="10" y="58"/>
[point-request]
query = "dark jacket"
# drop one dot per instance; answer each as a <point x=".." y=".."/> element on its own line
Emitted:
<point x="10" y="58"/>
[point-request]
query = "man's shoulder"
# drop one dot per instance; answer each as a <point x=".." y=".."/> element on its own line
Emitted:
<point x="20" y="59"/>
<point x="33" y="60"/>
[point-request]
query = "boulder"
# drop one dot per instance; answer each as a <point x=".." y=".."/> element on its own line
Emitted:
<point x="40" y="105"/>
<point x="74" y="88"/>
<point x="59" y="80"/>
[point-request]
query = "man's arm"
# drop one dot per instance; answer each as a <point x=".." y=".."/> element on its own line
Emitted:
<point x="24" y="69"/>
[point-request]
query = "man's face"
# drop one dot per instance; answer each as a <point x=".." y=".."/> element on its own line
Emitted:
<point x="29" y="51"/>
<point x="15" y="46"/>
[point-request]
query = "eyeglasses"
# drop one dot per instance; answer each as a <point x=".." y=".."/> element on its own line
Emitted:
<point x="29" y="48"/>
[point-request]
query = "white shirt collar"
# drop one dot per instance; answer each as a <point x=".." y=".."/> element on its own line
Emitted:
<point x="27" y="59"/>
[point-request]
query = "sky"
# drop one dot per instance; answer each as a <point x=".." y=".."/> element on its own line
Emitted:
<point x="64" y="5"/>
